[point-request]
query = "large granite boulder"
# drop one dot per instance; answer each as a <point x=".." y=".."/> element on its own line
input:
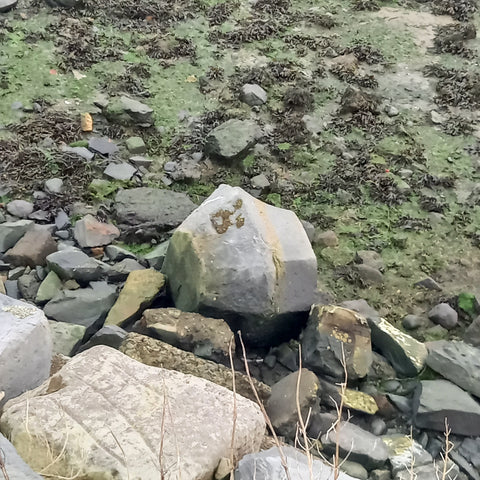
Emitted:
<point x="268" y="465"/>
<point x="407" y="355"/>
<point x="438" y="400"/>
<point x="148" y="213"/>
<point x="25" y="347"/>
<point x="236" y="257"/>
<point x="333" y="333"/>
<point x="121" y="419"/>
<point x="458" y="362"/>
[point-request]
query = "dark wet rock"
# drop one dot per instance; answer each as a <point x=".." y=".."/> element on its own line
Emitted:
<point x="437" y="400"/>
<point x="206" y="337"/>
<point x="74" y="264"/>
<point x="407" y="355"/>
<point x="380" y="368"/>
<point x="20" y="208"/>
<point x="103" y="146"/>
<point x="360" y="446"/>
<point x="412" y="322"/>
<point x="232" y="140"/>
<point x="443" y="314"/>
<point x="472" y="333"/>
<point x="470" y="450"/>
<point x="89" y="232"/>
<point x="85" y="306"/>
<point x="330" y="330"/>
<point x="471" y="472"/>
<point x="253" y="95"/>
<point x="282" y="404"/>
<point x="11" y="288"/>
<point x="6" y="5"/>
<point x="64" y="3"/>
<point x="458" y="362"/>
<point x="267" y="465"/>
<point x="32" y="249"/>
<point x="109" y="335"/>
<point x="12" y="232"/>
<point x="233" y="240"/>
<point x="151" y="211"/>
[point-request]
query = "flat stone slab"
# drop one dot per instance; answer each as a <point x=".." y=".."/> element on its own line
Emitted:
<point x="74" y="264"/>
<point x="457" y="361"/>
<point x="437" y="400"/>
<point x="121" y="416"/>
<point x="24" y="336"/>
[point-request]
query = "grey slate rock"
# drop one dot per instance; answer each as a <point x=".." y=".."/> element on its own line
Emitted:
<point x="121" y="270"/>
<point x="20" y="208"/>
<point x="54" y="185"/>
<point x="429" y="284"/>
<point x="253" y="95"/>
<point x="457" y="362"/>
<point x="472" y="333"/>
<point x="12" y="232"/>
<point x="360" y="446"/>
<point x="85" y="306"/>
<point x="405" y="452"/>
<point x="156" y="257"/>
<point x="15" y="467"/>
<point x="435" y="400"/>
<point x="62" y="220"/>
<point x="65" y="336"/>
<point x="443" y="314"/>
<point x="116" y="253"/>
<point x="72" y="263"/>
<point x="138" y="111"/>
<point x="28" y="285"/>
<point x="11" y="288"/>
<point x="82" y="152"/>
<point x="120" y="171"/>
<point x="371" y="258"/>
<point x="267" y="465"/>
<point x="109" y="335"/>
<point x="49" y="287"/>
<point x="361" y="306"/>
<point x="232" y="140"/>
<point x="412" y="322"/>
<point x="103" y="146"/>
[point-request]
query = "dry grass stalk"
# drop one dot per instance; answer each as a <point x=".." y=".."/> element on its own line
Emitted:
<point x="234" y="425"/>
<point x="446" y="469"/>
<point x="262" y="409"/>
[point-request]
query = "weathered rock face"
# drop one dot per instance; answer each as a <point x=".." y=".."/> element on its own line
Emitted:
<point x="236" y="256"/>
<point x="206" y="337"/>
<point x="24" y="335"/>
<point x="12" y="232"/>
<point x="407" y="355"/>
<point x="74" y="264"/>
<point x="138" y="293"/>
<point x="267" y="465"/>
<point x="458" y="362"/>
<point x="151" y="210"/>
<point x="437" y="400"/>
<point x="331" y="329"/>
<point x="232" y="140"/>
<point x="160" y="354"/>
<point x="89" y="232"/>
<point x="405" y="452"/>
<point x="161" y="419"/>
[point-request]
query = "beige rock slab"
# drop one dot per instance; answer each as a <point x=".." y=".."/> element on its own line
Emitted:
<point x="104" y="416"/>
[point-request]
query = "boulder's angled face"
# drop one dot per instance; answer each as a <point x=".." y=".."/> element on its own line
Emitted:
<point x="237" y="255"/>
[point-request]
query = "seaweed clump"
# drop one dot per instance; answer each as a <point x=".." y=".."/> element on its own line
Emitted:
<point x="461" y="10"/>
<point x="452" y="38"/>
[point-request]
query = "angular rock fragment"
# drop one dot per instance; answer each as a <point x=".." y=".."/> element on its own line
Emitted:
<point x="89" y="232"/>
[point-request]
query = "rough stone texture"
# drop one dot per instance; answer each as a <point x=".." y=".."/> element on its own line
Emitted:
<point x="32" y="249"/>
<point x="253" y="95"/>
<point x="89" y="232"/>
<point x="160" y="354"/>
<point x="160" y="210"/>
<point x="232" y="140"/>
<point x="267" y="465"/>
<point x="117" y="254"/>
<point x="65" y="336"/>
<point x="104" y="146"/>
<point x="407" y="355"/>
<point x="139" y="112"/>
<point x="435" y="400"/>
<point x="20" y="208"/>
<point x="121" y="270"/>
<point x="85" y="306"/>
<point x="50" y="286"/>
<point x="120" y="171"/>
<point x="24" y="335"/>
<point x="28" y="285"/>
<point x="138" y="293"/>
<point x="360" y="446"/>
<point x="135" y="145"/>
<point x="404" y="452"/>
<point x="282" y="404"/>
<point x="238" y="257"/>
<point x="443" y="314"/>
<point x="331" y="329"/>
<point x="15" y="467"/>
<point x="429" y="472"/>
<point x="458" y="362"/>
<point x="117" y="412"/>
<point x="12" y="232"/>
<point x="206" y="337"/>
<point x="359" y="401"/>
<point x="54" y="185"/>
<point x="110" y="336"/>
<point x="472" y="333"/>
<point x="156" y="257"/>
<point x="73" y="264"/>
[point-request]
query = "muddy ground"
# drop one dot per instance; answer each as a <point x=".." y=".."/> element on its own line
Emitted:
<point x="397" y="172"/>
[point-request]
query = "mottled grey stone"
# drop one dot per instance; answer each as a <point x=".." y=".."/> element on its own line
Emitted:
<point x="253" y="95"/>
<point x="20" y="208"/>
<point x="443" y="314"/>
<point x="72" y="263"/>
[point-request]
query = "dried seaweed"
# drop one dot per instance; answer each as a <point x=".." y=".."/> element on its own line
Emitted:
<point x="452" y="38"/>
<point x="461" y="10"/>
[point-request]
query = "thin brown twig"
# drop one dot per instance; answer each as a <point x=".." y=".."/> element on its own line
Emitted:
<point x="262" y="409"/>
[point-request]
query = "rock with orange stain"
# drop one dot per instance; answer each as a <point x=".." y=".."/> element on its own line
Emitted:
<point x="89" y="232"/>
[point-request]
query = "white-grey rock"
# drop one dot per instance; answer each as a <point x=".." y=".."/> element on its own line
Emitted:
<point x="235" y="255"/>
<point x="443" y="314"/>
<point x="120" y="171"/>
<point x="20" y="208"/>
<point x="260" y="181"/>
<point x="25" y="347"/>
<point x="54" y="185"/>
<point x="253" y="95"/>
<point x="12" y="232"/>
<point x="121" y="419"/>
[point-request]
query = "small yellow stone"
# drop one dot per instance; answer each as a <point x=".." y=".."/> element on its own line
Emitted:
<point x="191" y="79"/>
<point x="360" y="401"/>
